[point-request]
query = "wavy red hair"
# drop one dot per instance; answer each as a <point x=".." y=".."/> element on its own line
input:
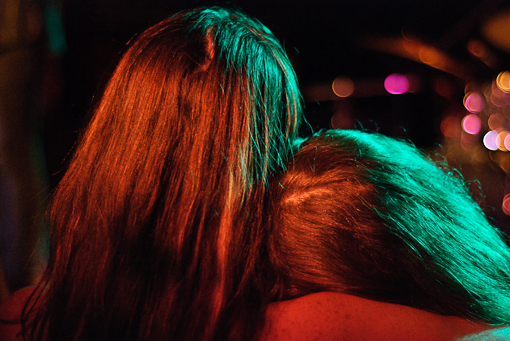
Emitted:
<point x="154" y="230"/>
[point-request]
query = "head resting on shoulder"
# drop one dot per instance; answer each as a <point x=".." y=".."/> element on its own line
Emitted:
<point x="372" y="216"/>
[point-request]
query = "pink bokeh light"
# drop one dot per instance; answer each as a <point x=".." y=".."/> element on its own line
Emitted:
<point x="471" y="124"/>
<point x="396" y="84"/>
<point x="474" y="102"/>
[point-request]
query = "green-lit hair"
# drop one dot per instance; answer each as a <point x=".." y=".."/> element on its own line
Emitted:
<point x="372" y="216"/>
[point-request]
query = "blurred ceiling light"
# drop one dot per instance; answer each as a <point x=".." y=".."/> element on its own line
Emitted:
<point x="471" y="124"/>
<point x="478" y="49"/>
<point x="491" y="140"/>
<point x="496" y="121"/>
<point x="498" y="97"/>
<point x="503" y="135"/>
<point x="497" y="30"/>
<point x="506" y="204"/>
<point x="343" y="86"/>
<point x="433" y="57"/>
<point x="503" y="81"/>
<point x="474" y="102"/>
<point x="416" y="50"/>
<point x="506" y="142"/>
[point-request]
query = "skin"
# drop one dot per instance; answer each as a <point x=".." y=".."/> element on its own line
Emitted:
<point x="334" y="316"/>
<point x="11" y="309"/>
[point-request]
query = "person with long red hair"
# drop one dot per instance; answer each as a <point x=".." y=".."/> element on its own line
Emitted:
<point x="149" y="228"/>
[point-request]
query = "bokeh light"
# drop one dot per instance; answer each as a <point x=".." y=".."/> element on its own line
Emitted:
<point x="498" y="97"/>
<point x="506" y="142"/>
<point x="471" y="124"/>
<point x="433" y="57"/>
<point x="487" y="92"/>
<point x="396" y="84"/>
<point x="343" y="86"/>
<point x="477" y="48"/>
<point x="450" y="126"/>
<point x="506" y="204"/>
<point x="474" y="102"/>
<point x="503" y="134"/>
<point x="491" y="140"/>
<point x="496" y="121"/>
<point x="503" y="81"/>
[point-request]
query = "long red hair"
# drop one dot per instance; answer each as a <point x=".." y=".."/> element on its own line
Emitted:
<point x="154" y="234"/>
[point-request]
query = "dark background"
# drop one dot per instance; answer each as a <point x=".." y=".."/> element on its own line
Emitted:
<point x="325" y="40"/>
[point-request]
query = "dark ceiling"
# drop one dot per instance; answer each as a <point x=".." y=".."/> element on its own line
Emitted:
<point x="324" y="39"/>
<point x="324" y="34"/>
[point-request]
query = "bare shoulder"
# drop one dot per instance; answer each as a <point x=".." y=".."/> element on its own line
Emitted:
<point x="10" y="314"/>
<point x="335" y="316"/>
<point x="13" y="305"/>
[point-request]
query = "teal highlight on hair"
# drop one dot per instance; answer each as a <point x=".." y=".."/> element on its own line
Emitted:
<point x="270" y="69"/>
<point x="434" y="214"/>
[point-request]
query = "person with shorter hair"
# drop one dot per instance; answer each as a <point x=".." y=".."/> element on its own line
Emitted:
<point x="360" y="216"/>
